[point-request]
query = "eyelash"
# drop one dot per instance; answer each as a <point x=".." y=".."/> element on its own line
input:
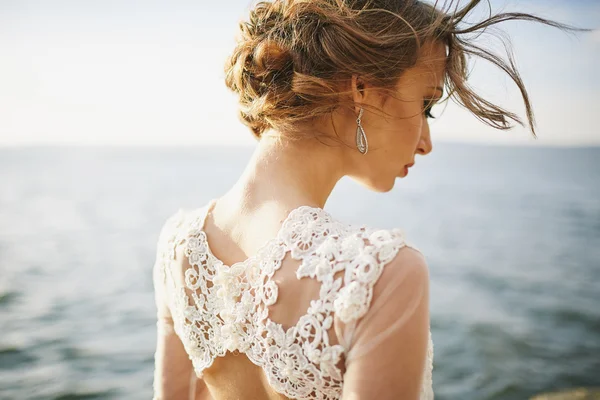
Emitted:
<point x="427" y="104"/>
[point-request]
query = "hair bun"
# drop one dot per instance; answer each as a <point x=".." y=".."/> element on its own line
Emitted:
<point x="261" y="67"/>
<point x="269" y="56"/>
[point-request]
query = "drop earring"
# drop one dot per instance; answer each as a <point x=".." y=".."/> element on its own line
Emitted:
<point x="361" y="138"/>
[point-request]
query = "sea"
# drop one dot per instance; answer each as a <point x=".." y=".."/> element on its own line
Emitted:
<point x="511" y="236"/>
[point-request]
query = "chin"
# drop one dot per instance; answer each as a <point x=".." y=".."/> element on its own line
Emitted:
<point x="380" y="185"/>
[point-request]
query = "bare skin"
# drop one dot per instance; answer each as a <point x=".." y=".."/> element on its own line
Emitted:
<point x="283" y="175"/>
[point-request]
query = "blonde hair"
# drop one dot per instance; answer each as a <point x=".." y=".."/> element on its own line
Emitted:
<point x="294" y="58"/>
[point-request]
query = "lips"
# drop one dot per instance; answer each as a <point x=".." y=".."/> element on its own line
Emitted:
<point x="410" y="165"/>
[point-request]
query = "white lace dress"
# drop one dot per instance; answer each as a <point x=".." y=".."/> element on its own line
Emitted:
<point x="218" y="308"/>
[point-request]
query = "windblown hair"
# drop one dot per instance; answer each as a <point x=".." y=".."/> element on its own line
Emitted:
<point x="294" y="58"/>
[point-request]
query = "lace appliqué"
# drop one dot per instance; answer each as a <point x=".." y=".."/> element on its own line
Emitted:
<point x="218" y="308"/>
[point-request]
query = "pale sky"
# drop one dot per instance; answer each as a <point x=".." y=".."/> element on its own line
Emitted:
<point x="124" y="72"/>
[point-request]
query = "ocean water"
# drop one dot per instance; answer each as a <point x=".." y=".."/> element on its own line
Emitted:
<point x="512" y="237"/>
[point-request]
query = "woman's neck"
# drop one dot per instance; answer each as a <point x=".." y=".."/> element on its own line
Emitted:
<point x="290" y="173"/>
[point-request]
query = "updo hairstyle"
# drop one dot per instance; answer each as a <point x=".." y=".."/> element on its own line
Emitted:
<point x="294" y="58"/>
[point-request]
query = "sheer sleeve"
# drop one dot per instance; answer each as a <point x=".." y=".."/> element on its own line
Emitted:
<point x="174" y="376"/>
<point x="387" y="348"/>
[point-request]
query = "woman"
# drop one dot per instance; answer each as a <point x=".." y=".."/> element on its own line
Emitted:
<point x="261" y="294"/>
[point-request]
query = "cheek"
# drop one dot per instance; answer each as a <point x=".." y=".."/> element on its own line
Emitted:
<point x="401" y="134"/>
<point x="409" y="132"/>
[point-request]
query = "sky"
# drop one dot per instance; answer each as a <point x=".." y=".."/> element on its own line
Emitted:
<point x="150" y="73"/>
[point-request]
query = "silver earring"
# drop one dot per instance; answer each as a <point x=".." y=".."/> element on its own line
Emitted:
<point x="361" y="137"/>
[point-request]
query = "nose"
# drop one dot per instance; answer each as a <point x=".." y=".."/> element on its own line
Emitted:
<point x="425" y="146"/>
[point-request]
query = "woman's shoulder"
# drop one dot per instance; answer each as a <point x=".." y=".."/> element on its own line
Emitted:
<point x="389" y="241"/>
<point x="374" y="261"/>
<point x="402" y="259"/>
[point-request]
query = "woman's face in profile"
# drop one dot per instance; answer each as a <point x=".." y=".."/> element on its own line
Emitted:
<point x="395" y="139"/>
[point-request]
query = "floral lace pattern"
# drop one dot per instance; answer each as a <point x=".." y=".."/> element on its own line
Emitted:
<point x="219" y="308"/>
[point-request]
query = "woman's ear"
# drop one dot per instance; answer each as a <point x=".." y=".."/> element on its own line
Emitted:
<point x="357" y="85"/>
